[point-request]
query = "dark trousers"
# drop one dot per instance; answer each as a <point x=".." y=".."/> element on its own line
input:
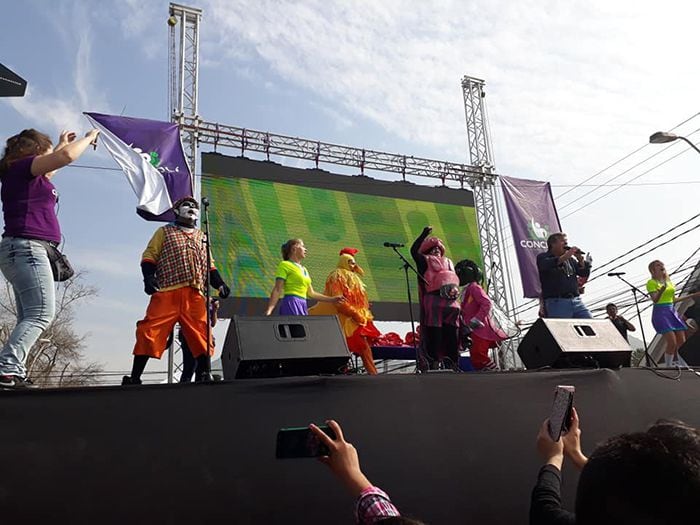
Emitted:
<point x="189" y="364"/>
<point x="439" y="342"/>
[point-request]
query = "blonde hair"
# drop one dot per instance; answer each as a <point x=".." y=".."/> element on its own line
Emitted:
<point x="651" y="267"/>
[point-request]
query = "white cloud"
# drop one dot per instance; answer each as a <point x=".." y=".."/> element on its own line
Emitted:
<point x="111" y="261"/>
<point x="62" y="109"/>
<point x="147" y="21"/>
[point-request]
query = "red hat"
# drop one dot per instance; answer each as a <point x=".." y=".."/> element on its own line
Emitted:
<point x="349" y="251"/>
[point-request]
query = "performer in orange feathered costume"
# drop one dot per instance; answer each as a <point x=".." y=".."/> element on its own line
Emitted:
<point x="354" y="314"/>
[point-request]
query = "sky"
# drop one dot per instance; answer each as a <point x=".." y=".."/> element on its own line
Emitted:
<point x="573" y="88"/>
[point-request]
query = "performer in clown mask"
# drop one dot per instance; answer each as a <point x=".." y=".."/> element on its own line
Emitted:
<point x="438" y="291"/>
<point x="174" y="267"/>
<point x="353" y="313"/>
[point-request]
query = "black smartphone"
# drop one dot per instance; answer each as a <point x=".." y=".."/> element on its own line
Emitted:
<point x="301" y="442"/>
<point x="560" y="418"/>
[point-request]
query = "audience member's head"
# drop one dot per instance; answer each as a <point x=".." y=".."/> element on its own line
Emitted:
<point x="611" y="309"/>
<point x="650" y="477"/>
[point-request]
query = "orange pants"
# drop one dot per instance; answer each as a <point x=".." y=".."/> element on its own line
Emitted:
<point x="367" y="359"/>
<point x="358" y="345"/>
<point x="184" y="305"/>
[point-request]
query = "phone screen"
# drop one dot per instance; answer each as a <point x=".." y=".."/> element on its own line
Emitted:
<point x="300" y="442"/>
<point x="561" y="411"/>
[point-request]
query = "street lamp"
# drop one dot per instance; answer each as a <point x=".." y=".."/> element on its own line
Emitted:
<point x="661" y="137"/>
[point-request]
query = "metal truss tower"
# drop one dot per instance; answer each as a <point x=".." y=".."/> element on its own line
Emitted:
<point x="183" y="98"/>
<point x="183" y="73"/>
<point x="485" y="200"/>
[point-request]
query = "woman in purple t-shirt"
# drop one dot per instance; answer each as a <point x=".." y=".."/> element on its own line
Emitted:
<point x="28" y="204"/>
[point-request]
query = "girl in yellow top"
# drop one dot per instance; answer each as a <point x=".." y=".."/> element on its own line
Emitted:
<point x="664" y="317"/>
<point x="293" y="283"/>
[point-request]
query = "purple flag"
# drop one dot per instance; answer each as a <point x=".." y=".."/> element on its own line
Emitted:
<point x="533" y="218"/>
<point x="151" y="155"/>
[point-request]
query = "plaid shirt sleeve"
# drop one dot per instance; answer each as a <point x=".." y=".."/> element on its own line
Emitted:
<point x="373" y="505"/>
<point x="155" y="245"/>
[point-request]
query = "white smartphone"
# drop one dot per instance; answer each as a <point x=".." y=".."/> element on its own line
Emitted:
<point x="560" y="418"/>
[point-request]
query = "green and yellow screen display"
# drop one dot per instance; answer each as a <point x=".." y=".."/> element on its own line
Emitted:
<point x="256" y="206"/>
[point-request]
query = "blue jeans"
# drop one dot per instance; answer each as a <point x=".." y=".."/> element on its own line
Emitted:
<point x="566" y="308"/>
<point x="25" y="265"/>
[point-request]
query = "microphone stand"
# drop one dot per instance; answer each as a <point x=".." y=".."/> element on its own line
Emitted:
<point x="207" y="286"/>
<point x="647" y="357"/>
<point x="406" y="265"/>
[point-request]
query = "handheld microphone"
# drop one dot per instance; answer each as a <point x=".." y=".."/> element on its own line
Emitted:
<point x="578" y="252"/>
<point x="205" y="202"/>
<point x="616" y="274"/>
<point x="393" y="245"/>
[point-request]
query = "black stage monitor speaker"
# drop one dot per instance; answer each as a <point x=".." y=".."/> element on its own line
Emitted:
<point x="11" y="84"/>
<point x="690" y="351"/>
<point x="574" y="343"/>
<point x="289" y="345"/>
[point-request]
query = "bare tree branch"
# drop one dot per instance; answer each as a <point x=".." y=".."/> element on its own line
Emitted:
<point x="57" y="358"/>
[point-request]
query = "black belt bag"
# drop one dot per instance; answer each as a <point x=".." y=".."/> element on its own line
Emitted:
<point x="60" y="265"/>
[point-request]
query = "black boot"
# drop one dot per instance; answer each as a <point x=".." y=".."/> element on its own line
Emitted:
<point x="136" y="370"/>
<point x="203" y="373"/>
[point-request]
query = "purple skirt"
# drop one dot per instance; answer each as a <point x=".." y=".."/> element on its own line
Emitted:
<point x="293" y="305"/>
<point x="664" y="318"/>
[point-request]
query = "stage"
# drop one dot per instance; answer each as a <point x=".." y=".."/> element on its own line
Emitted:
<point x="448" y="448"/>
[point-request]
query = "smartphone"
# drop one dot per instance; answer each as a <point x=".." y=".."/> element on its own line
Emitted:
<point x="560" y="418"/>
<point x="301" y="442"/>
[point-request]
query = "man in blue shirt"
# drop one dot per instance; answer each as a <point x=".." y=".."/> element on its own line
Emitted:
<point x="559" y="268"/>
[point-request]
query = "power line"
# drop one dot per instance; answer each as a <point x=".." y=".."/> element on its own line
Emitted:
<point x="656" y="237"/>
<point x="627" y="183"/>
<point x="627" y="156"/>
<point x="650" y="250"/>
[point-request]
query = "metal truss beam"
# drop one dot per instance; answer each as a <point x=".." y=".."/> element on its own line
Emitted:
<point x="270" y="144"/>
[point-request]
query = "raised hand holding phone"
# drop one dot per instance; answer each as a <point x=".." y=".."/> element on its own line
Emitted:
<point x="342" y="458"/>
<point x="302" y="442"/>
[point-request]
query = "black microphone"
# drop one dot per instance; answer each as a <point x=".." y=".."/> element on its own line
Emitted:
<point x="578" y="252"/>
<point x="615" y="274"/>
<point x="393" y="245"/>
<point x="205" y="202"/>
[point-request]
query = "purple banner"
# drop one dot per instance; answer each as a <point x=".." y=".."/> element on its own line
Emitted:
<point x="150" y="154"/>
<point x="533" y="217"/>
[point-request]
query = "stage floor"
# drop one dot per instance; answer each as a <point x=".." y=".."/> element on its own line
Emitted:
<point x="448" y="448"/>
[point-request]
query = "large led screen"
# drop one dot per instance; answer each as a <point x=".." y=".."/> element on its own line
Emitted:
<point x="256" y="206"/>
